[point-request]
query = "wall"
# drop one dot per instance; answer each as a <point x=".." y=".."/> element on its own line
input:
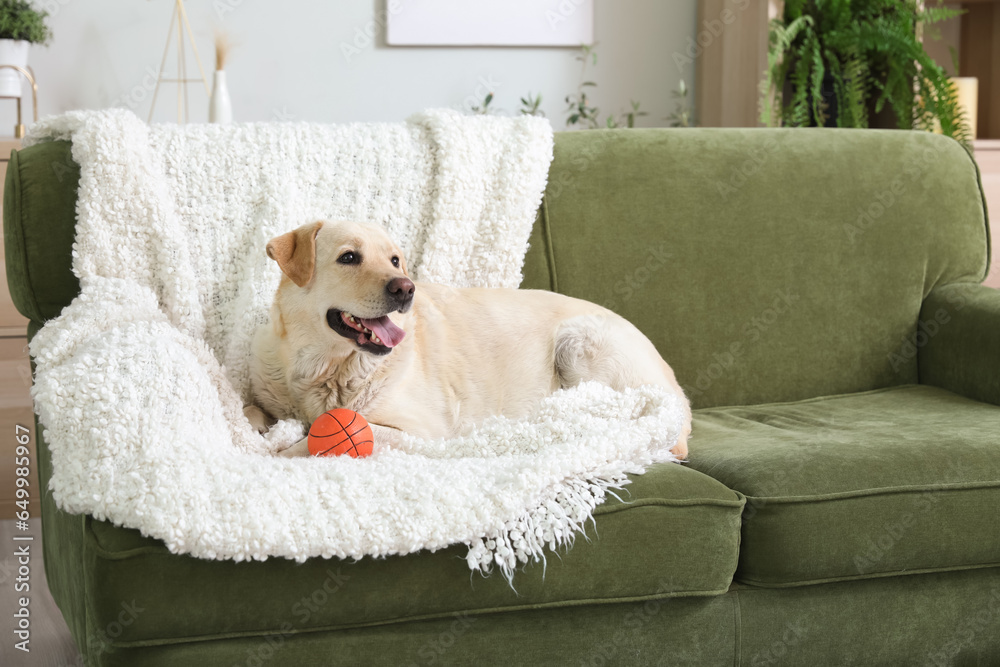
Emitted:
<point x="312" y="60"/>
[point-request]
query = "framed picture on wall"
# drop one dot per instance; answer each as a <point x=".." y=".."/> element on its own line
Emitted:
<point x="489" y="23"/>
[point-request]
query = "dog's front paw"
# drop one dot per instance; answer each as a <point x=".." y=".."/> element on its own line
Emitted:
<point x="386" y="437"/>
<point x="300" y="448"/>
<point x="258" y="419"/>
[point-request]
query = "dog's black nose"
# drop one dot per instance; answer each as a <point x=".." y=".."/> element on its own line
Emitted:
<point x="400" y="292"/>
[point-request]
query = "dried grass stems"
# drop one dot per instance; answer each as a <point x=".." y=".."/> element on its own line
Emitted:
<point x="223" y="47"/>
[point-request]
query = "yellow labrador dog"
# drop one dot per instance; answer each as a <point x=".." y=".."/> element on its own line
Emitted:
<point x="349" y="329"/>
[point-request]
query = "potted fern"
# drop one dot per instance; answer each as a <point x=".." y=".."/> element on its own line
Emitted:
<point x="858" y="63"/>
<point x="20" y="26"/>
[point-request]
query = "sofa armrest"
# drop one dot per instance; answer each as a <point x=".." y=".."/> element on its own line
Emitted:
<point x="39" y="225"/>
<point x="958" y="341"/>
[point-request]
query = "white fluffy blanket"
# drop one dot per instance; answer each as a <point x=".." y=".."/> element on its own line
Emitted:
<point x="141" y="380"/>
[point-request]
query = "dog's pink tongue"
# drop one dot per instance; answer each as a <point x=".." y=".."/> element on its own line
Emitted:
<point x="388" y="333"/>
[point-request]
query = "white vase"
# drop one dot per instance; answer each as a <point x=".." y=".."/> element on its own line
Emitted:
<point x="12" y="52"/>
<point x="220" y="108"/>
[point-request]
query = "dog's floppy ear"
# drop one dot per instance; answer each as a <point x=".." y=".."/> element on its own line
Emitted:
<point x="295" y="253"/>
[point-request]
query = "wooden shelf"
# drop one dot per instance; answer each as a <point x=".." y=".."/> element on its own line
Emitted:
<point x="979" y="56"/>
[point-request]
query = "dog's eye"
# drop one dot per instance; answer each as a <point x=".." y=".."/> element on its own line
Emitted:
<point x="349" y="258"/>
<point x="395" y="262"/>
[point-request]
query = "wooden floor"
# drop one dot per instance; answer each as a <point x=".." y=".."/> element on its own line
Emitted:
<point x="51" y="644"/>
<point x="15" y="409"/>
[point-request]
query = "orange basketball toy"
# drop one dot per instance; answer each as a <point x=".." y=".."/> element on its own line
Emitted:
<point x="341" y="431"/>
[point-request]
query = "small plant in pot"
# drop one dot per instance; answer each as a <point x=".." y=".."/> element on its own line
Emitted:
<point x="20" y="26"/>
<point x="858" y="63"/>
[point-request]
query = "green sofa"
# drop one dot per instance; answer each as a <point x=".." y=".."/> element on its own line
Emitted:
<point x="816" y="292"/>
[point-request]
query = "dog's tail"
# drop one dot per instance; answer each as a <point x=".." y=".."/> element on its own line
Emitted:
<point x="610" y="350"/>
<point x="605" y="349"/>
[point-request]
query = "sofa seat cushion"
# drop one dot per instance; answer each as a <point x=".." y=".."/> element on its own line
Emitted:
<point x="880" y="483"/>
<point x="674" y="532"/>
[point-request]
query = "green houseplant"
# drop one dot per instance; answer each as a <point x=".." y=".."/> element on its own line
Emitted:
<point x="20" y="26"/>
<point x="581" y="114"/>
<point x="858" y="63"/>
<point x="20" y="22"/>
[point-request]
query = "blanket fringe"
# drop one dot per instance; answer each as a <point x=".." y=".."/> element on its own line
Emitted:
<point x="553" y="524"/>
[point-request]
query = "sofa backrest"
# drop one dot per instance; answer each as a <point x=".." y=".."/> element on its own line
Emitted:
<point x="766" y="265"/>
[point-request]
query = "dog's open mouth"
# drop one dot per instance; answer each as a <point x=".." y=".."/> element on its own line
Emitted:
<point x="377" y="335"/>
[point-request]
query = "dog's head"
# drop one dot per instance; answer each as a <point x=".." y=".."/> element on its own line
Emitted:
<point x="345" y="278"/>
